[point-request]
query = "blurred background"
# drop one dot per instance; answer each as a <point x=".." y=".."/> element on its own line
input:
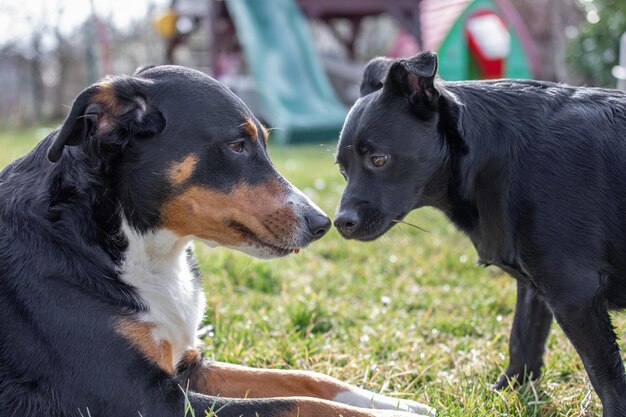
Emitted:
<point x="297" y="63"/>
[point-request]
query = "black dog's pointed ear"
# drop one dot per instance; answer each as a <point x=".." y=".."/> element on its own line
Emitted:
<point x="111" y="111"/>
<point x="373" y="75"/>
<point x="415" y="78"/>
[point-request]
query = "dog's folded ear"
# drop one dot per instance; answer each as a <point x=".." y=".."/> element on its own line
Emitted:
<point x="415" y="78"/>
<point x="111" y="112"/>
<point x="143" y="68"/>
<point x="373" y="75"/>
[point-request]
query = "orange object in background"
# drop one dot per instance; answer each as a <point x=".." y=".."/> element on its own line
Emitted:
<point x="165" y="24"/>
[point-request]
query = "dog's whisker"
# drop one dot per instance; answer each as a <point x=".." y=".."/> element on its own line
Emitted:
<point x="412" y="225"/>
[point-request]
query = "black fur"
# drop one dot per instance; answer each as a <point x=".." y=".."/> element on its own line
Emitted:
<point x="532" y="172"/>
<point x="374" y="74"/>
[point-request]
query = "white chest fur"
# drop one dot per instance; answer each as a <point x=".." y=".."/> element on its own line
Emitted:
<point x="156" y="265"/>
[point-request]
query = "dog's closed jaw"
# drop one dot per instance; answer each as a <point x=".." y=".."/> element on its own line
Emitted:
<point x="264" y="220"/>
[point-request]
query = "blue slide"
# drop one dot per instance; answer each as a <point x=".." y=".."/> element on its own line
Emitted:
<point x="295" y="95"/>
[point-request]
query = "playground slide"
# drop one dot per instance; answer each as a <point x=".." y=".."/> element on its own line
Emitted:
<point x="295" y="95"/>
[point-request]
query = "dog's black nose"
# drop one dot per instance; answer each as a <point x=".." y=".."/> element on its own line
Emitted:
<point x="346" y="221"/>
<point x="318" y="224"/>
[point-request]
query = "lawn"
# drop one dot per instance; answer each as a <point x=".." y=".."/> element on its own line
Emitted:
<point x="409" y="315"/>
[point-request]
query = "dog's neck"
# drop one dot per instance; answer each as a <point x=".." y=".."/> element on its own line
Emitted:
<point x="157" y="265"/>
<point x="473" y="187"/>
<point x="447" y="189"/>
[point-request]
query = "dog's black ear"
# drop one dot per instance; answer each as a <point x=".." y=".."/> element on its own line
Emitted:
<point x="143" y="68"/>
<point x="373" y="75"/>
<point x="111" y="112"/>
<point x="415" y="78"/>
<point x="79" y="124"/>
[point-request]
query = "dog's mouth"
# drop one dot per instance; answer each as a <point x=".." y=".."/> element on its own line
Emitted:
<point x="387" y="225"/>
<point x="372" y="224"/>
<point x="266" y="249"/>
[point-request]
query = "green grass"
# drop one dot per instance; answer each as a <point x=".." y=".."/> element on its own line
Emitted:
<point x="409" y="315"/>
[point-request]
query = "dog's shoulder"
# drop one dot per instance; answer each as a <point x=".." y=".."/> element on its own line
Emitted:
<point x="52" y="219"/>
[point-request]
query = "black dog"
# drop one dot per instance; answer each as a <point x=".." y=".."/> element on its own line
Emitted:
<point x="99" y="296"/>
<point x="533" y="172"/>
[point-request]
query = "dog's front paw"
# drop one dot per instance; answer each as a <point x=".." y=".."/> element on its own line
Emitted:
<point x="365" y="399"/>
<point x="413" y="407"/>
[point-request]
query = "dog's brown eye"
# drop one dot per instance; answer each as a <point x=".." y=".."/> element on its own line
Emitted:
<point x="236" y="146"/>
<point x="379" y="160"/>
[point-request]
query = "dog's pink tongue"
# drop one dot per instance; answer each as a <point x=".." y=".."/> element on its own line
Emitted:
<point x="296" y="250"/>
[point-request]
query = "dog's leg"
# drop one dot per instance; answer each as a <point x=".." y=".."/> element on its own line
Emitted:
<point x="280" y="407"/>
<point x="531" y="326"/>
<point x="584" y="317"/>
<point x="226" y="380"/>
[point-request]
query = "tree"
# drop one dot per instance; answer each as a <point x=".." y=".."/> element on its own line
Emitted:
<point x="594" y="51"/>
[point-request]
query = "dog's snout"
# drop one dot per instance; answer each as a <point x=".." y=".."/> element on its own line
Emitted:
<point x="346" y="221"/>
<point x="318" y="224"/>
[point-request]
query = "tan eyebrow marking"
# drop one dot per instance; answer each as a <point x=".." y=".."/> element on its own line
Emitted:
<point x="266" y="133"/>
<point x="249" y="127"/>
<point x="106" y="96"/>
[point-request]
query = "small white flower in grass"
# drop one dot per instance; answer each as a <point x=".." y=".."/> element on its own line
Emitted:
<point x="393" y="259"/>
<point x="385" y="300"/>
<point x="463" y="259"/>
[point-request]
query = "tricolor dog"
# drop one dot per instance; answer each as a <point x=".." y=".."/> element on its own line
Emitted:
<point x="100" y="297"/>
<point x="533" y="172"/>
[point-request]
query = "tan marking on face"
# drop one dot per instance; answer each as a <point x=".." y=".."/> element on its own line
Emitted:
<point x="234" y="381"/>
<point x="249" y="128"/>
<point x="265" y="132"/>
<point x="205" y="213"/>
<point x="106" y="96"/>
<point x="181" y="171"/>
<point x="139" y="334"/>
<point x="107" y="99"/>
